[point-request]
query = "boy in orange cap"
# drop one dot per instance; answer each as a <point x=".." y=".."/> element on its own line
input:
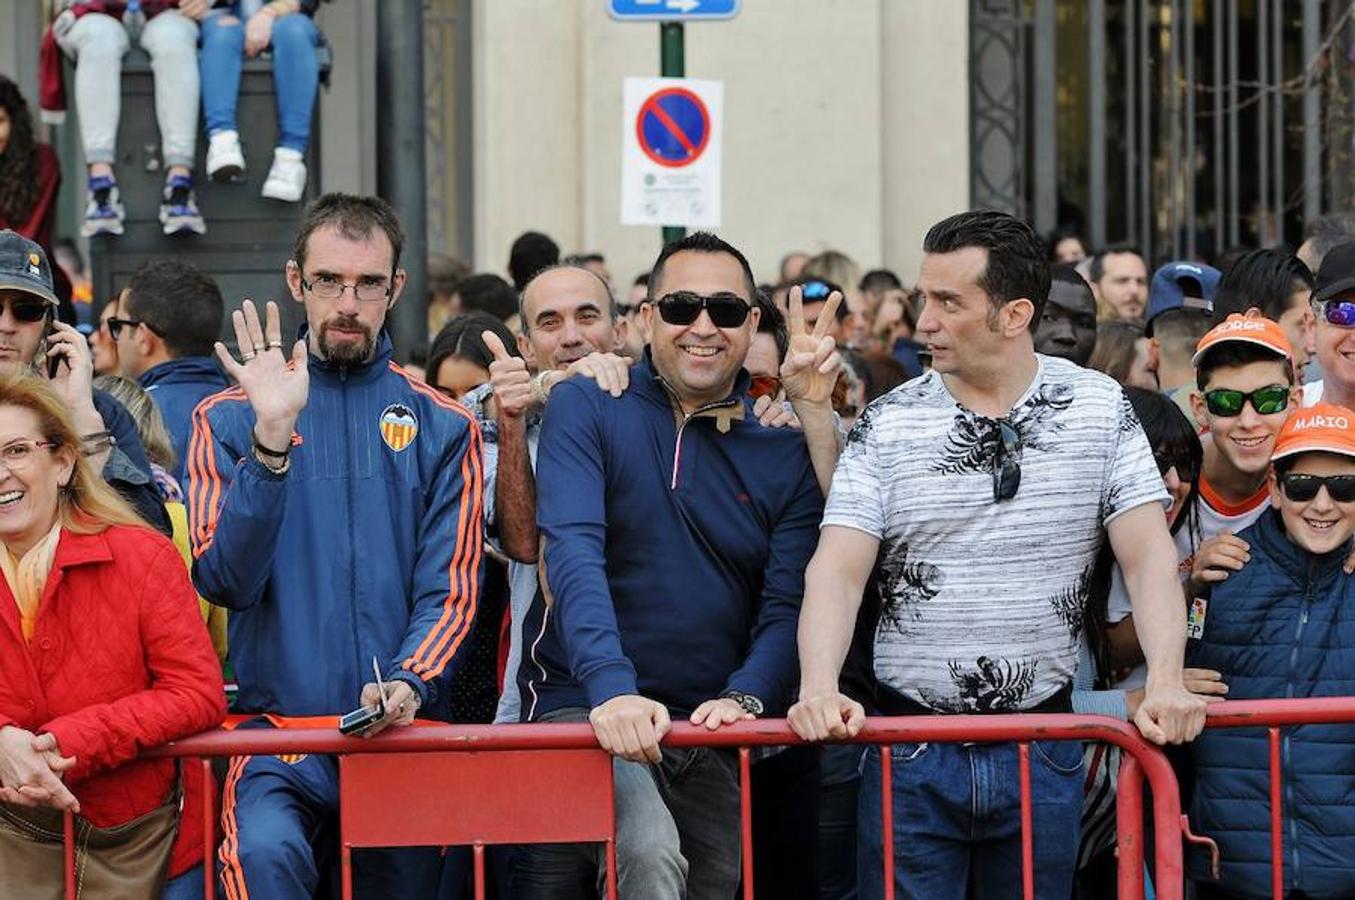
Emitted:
<point x="1284" y="626"/>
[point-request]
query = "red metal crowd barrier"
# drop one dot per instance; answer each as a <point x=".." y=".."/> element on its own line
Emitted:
<point x="409" y="787"/>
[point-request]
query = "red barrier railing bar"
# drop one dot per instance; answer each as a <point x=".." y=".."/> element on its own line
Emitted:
<point x="478" y="850"/>
<point x="887" y="816"/>
<point x="1276" y="809"/>
<point x="1129" y="828"/>
<point x="746" y="820"/>
<point x="1027" y="824"/>
<point x="208" y="831"/>
<point x="68" y="851"/>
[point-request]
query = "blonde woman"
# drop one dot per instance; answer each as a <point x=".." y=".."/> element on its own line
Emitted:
<point x="102" y="655"/>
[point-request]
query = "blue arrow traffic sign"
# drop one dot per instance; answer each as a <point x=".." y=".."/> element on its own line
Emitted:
<point x="671" y="10"/>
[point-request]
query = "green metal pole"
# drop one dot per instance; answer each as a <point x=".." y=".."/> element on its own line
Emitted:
<point x="672" y="64"/>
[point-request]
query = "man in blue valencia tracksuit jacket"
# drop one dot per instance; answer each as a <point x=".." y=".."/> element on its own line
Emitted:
<point x="357" y="537"/>
<point x="676" y="530"/>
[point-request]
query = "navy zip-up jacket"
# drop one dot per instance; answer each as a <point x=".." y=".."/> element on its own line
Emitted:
<point x="674" y="550"/>
<point x="369" y="546"/>
<point x="1282" y="626"/>
<point x="177" y="387"/>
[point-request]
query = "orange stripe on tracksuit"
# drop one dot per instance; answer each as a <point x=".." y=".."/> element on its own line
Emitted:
<point x="458" y="612"/>
<point x="232" y="875"/>
<point x="203" y="477"/>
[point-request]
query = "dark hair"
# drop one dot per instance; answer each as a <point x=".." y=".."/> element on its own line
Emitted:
<point x="179" y="303"/>
<point x="1171" y="436"/>
<point x="488" y="293"/>
<point x="1097" y="270"/>
<point x="1178" y="330"/>
<point x="772" y="322"/>
<point x="1059" y="235"/>
<point x="880" y="280"/>
<point x="1326" y="233"/>
<point x="1066" y="274"/>
<point x="579" y="259"/>
<point x="1232" y="354"/>
<point x="355" y="218"/>
<point x="19" y="184"/>
<point x="1264" y="279"/>
<point x="1114" y="353"/>
<point x="1016" y="266"/>
<point x="641" y="280"/>
<point x="445" y="274"/>
<point x="700" y="242"/>
<point x="460" y="338"/>
<point x="842" y="312"/>
<point x="531" y="253"/>
<point x="883" y="373"/>
<point x="612" y="310"/>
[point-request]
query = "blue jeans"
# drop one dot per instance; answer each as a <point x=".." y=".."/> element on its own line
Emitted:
<point x="296" y="74"/>
<point x="840" y="787"/>
<point x="957" y="820"/>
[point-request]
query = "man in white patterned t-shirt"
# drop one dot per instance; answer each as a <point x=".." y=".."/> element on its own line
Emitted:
<point x="984" y="490"/>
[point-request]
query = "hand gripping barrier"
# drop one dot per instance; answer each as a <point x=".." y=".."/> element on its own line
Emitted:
<point x="425" y="786"/>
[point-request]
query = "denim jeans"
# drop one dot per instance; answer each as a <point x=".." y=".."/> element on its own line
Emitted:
<point x="97" y="43"/>
<point x="677" y="832"/>
<point x="840" y="787"/>
<point x="957" y="820"/>
<point x="296" y="73"/>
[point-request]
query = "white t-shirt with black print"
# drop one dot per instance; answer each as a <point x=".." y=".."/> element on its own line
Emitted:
<point x="982" y="601"/>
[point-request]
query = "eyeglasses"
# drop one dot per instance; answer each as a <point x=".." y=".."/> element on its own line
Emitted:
<point x="1267" y="401"/>
<point x="29" y="310"/>
<point x="327" y="287"/>
<point x="115" y="326"/>
<point x="1006" y="463"/>
<point x="1340" y="313"/>
<point x="1185" y="467"/>
<point x="18" y="455"/>
<point x="764" y="386"/>
<point x="683" y="307"/>
<point x="1302" y="487"/>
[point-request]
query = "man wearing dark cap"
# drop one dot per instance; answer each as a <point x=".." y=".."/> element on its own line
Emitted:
<point x="31" y="336"/>
<point x="1180" y="312"/>
<point x="1068" y="325"/>
<point x="1334" y="304"/>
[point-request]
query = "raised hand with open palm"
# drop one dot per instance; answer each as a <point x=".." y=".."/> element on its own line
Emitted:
<point x="277" y="387"/>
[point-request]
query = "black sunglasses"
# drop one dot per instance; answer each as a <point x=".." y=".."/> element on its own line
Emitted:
<point x="1267" y="401"/>
<point x="115" y="326"/>
<point x="683" y="308"/>
<point x="1006" y="462"/>
<point x="29" y="310"/>
<point x="1185" y="467"/>
<point x="1302" y="487"/>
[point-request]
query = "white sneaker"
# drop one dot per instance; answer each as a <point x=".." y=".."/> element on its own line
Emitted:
<point x="287" y="178"/>
<point x="225" y="159"/>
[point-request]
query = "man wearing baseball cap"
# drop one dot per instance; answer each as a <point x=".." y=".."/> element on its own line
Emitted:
<point x="1244" y="377"/>
<point x="1334" y="303"/>
<point x="1287" y="629"/>
<point x="32" y="336"/>
<point x="1180" y="311"/>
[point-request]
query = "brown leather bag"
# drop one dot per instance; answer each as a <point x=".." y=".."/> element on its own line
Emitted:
<point x="125" y="862"/>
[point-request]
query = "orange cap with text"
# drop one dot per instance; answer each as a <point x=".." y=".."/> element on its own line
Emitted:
<point x="1248" y="328"/>
<point x="1324" y="428"/>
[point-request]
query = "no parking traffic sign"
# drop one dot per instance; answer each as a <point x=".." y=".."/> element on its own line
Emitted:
<point x="670" y="161"/>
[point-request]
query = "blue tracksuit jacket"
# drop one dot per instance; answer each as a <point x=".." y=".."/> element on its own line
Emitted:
<point x="675" y="550"/>
<point x="177" y="387"/>
<point x="369" y="546"/>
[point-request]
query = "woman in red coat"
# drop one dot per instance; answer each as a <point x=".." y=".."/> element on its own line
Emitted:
<point x="103" y="655"/>
<point x="30" y="175"/>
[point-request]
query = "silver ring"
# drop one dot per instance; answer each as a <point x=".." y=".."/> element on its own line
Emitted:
<point x="246" y="357"/>
<point x="275" y="345"/>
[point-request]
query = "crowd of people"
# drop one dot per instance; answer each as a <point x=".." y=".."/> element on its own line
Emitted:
<point x="1042" y="477"/>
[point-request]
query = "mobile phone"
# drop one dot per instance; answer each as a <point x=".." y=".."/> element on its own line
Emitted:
<point x="53" y="362"/>
<point x="364" y="717"/>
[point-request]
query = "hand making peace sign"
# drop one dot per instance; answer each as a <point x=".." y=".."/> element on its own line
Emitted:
<point x="812" y="361"/>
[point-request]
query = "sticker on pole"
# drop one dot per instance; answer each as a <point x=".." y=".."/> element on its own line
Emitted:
<point x="670" y="160"/>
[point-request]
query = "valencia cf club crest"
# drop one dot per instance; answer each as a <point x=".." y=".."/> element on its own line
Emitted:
<point x="398" y="426"/>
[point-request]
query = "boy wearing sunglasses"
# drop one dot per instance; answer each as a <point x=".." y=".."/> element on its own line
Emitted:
<point x="1285" y="627"/>
<point x="1245" y="379"/>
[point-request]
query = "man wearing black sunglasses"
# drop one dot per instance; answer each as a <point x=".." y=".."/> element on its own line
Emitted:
<point x="32" y="336"/>
<point x="981" y="494"/>
<point x="675" y="530"/>
<point x="1286" y="630"/>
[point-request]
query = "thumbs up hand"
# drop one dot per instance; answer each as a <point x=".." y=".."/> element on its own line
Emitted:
<point x="508" y="376"/>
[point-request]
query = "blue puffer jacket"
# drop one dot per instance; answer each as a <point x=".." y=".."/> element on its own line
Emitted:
<point x="1284" y="626"/>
